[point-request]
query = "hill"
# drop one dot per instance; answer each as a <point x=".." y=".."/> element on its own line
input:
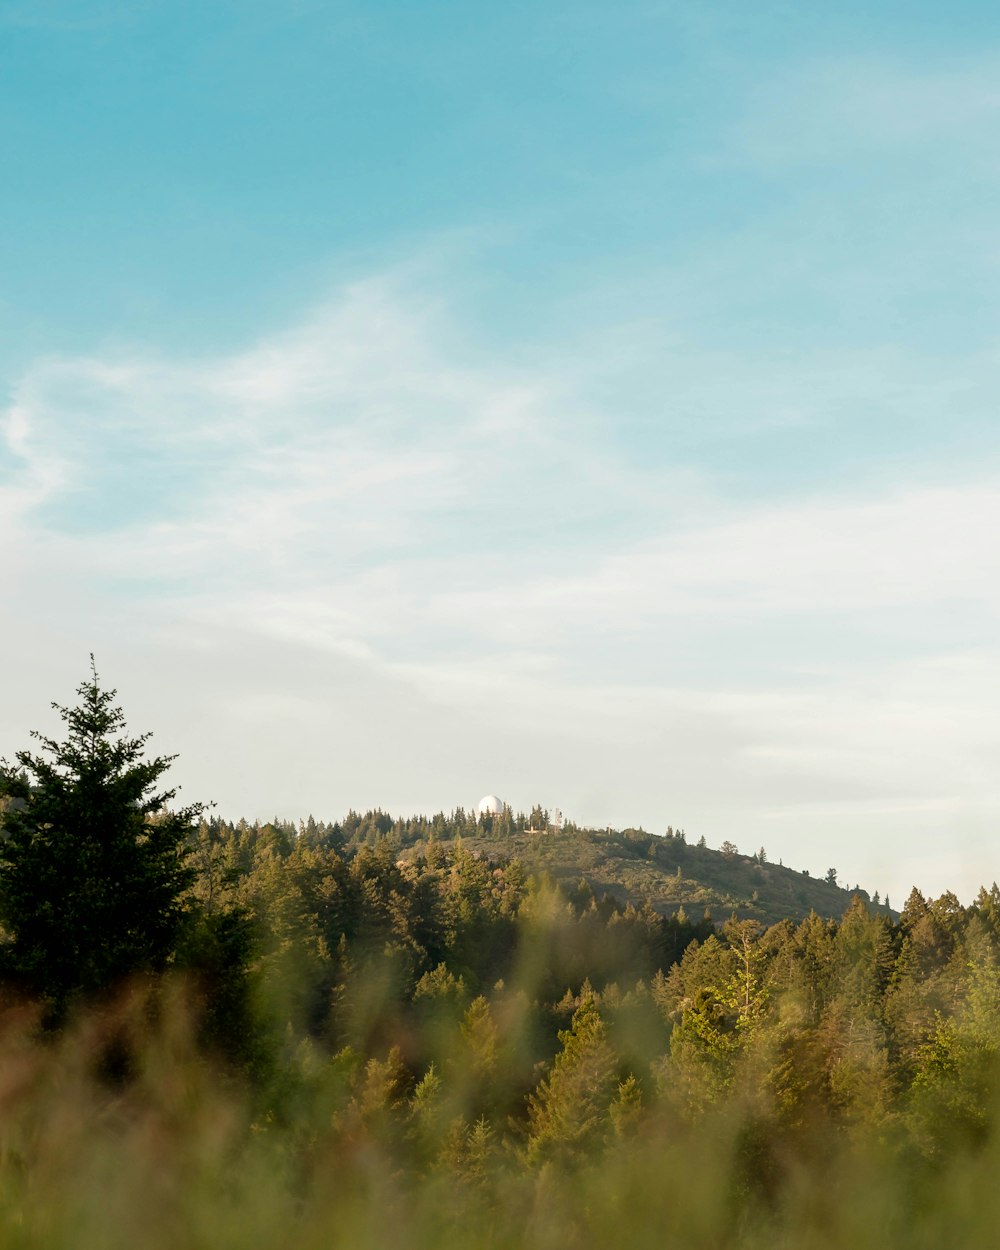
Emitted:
<point x="634" y="866"/>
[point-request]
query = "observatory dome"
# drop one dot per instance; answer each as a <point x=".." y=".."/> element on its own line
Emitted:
<point x="491" y="806"/>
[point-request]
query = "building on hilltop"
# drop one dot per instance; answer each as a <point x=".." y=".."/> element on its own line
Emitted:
<point x="492" y="806"/>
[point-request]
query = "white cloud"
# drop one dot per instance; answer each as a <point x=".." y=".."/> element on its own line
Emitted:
<point x="354" y="541"/>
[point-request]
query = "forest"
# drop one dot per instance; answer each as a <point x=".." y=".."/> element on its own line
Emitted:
<point x="376" y="1032"/>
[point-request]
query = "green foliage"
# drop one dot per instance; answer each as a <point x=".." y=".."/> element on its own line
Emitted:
<point x="94" y="871"/>
<point x="667" y="872"/>
<point x="358" y="1151"/>
<point x="388" y="1032"/>
<point x="570" y="1111"/>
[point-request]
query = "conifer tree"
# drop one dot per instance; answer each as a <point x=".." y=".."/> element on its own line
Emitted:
<point x="93" y="864"/>
<point x="569" y="1111"/>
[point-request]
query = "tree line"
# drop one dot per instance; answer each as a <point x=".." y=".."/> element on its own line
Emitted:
<point x="471" y="1021"/>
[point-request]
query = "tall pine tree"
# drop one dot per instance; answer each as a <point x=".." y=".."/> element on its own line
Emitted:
<point x="93" y="863"/>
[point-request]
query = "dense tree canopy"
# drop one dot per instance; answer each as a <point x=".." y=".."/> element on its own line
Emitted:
<point x="411" y="992"/>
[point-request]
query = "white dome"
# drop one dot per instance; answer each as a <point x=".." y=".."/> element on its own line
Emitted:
<point x="491" y="806"/>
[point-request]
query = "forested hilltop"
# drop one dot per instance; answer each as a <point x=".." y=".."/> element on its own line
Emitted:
<point x="630" y="865"/>
<point x="444" y="1049"/>
<point x="398" y="1033"/>
<point x="442" y="924"/>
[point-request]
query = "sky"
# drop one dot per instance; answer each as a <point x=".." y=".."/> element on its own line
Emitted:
<point x="592" y="404"/>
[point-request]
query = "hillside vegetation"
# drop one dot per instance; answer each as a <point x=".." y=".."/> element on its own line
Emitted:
<point x="383" y="1033"/>
<point x="634" y="866"/>
<point x="630" y="865"/>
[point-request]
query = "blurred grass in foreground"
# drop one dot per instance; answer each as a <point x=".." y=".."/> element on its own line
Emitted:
<point x="120" y="1132"/>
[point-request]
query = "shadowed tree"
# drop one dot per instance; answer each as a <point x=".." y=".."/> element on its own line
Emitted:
<point x="93" y="865"/>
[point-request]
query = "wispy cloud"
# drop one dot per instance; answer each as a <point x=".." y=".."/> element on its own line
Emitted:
<point x="854" y="107"/>
<point x="366" y="491"/>
<point x="358" y="457"/>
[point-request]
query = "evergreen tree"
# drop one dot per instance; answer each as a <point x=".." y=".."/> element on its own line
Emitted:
<point x="93" y="866"/>
<point x="569" y="1111"/>
<point x="746" y="993"/>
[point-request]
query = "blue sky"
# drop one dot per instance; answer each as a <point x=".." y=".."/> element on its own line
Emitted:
<point x="592" y="404"/>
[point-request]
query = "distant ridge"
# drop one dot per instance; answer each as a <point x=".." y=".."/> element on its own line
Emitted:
<point x="634" y="866"/>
